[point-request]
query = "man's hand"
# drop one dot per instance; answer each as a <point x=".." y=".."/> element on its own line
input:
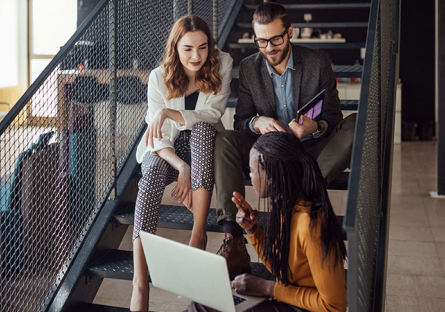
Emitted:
<point x="308" y="126"/>
<point x="264" y="125"/>
<point x="250" y="285"/>
<point x="246" y="217"/>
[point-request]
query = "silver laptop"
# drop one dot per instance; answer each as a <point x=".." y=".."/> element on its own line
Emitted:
<point x="198" y="275"/>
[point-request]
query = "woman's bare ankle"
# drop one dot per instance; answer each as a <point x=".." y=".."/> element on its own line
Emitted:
<point x="139" y="297"/>
<point x="198" y="240"/>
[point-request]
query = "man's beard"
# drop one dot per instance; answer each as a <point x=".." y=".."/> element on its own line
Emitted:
<point x="279" y="57"/>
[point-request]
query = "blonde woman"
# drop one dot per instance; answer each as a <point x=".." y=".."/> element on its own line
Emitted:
<point x="187" y="95"/>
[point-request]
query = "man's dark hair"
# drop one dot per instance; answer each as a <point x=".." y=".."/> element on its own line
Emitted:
<point x="294" y="176"/>
<point x="268" y="12"/>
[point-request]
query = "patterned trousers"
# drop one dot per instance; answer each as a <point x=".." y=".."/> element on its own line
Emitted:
<point x="196" y="147"/>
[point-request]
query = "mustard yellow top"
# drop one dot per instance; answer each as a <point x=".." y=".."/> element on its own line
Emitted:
<point x="313" y="286"/>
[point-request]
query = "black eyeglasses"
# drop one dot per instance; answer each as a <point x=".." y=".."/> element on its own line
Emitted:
<point x="275" y="41"/>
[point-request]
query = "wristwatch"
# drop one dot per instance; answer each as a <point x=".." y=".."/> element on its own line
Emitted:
<point x="317" y="132"/>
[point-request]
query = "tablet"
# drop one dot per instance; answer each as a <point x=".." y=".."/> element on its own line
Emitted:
<point x="313" y="108"/>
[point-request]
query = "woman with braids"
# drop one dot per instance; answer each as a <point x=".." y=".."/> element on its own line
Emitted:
<point x="302" y="244"/>
<point x="187" y="95"/>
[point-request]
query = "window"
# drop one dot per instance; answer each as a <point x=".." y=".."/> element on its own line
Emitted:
<point x="52" y="23"/>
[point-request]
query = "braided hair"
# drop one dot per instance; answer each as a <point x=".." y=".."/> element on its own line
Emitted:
<point x="294" y="175"/>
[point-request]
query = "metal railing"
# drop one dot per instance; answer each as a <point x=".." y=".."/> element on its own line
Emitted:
<point x="367" y="213"/>
<point x="64" y="143"/>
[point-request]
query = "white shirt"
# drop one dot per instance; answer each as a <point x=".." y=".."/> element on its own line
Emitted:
<point x="209" y="107"/>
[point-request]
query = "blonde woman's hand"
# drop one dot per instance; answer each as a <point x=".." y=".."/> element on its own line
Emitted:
<point x="246" y="217"/>
<point x="154" y="129"/>
<point x="183" y="188"/>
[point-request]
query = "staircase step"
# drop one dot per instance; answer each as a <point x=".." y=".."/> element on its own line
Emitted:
<point x="340" y="71"/>
<point x="315" y="6"/>
<point x="232" y="102"/>
<point x="179" y="217"/>
<point x="347" y="71"/>
<point x="349" y="105"/>
<point x="118" y="264"/>
<point x="99" y="308"/>
<point x="345" y="104"/>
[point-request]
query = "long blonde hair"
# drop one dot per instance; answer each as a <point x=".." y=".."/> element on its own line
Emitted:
<point x="175" y="79"/>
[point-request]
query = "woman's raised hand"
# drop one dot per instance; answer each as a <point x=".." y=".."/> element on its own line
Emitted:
<point x="154" y="129"/>
<point x="183" y="188"/>
<point x="246" y="217"/>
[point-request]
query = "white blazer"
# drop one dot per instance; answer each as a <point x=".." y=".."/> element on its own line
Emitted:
<point x="209" y="107"/>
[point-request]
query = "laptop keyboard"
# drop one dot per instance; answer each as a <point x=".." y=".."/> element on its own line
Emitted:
<point x="237" y="300"/>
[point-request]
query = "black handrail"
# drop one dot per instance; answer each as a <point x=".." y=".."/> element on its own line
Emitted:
<point x="441" y="98"/>
<point x="51" y="66"/>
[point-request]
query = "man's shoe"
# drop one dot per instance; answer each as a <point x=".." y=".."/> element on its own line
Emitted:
<point x="237" y="257"/>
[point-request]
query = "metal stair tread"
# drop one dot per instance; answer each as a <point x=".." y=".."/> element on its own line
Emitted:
<point x="176" y="217"/>
<point x="118" y="264"/>
<point x="179" y="217"/>
<point x="352" y="71"/>
<point x="340" y="71"/>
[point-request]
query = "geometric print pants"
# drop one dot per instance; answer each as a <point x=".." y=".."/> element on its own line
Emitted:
<point x="196" y="147"/>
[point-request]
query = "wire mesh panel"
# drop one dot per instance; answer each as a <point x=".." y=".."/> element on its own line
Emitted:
<point x="55" y="172"/>
<point x="370" y="153"/>
<point x="205" y="10"/>
<point x="369" y="192"/>
<point x="142" y="31"/>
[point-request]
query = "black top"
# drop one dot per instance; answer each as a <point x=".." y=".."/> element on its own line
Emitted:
<point x="190" y="100"/>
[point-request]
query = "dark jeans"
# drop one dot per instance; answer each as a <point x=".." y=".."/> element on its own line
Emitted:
<point x="266" y="306"/>
<point x="333" y="154"/>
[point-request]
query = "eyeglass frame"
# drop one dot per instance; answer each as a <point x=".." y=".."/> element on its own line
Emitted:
<point x="270" y="40"/>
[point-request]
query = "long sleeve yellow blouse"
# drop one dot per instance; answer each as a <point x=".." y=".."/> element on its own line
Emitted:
<point x="313" y="286"/>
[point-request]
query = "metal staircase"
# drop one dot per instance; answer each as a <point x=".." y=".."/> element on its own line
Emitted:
<point x="118" y="33"/>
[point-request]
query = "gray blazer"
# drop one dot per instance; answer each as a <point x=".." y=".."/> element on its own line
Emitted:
<point x="313" y="73"/>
